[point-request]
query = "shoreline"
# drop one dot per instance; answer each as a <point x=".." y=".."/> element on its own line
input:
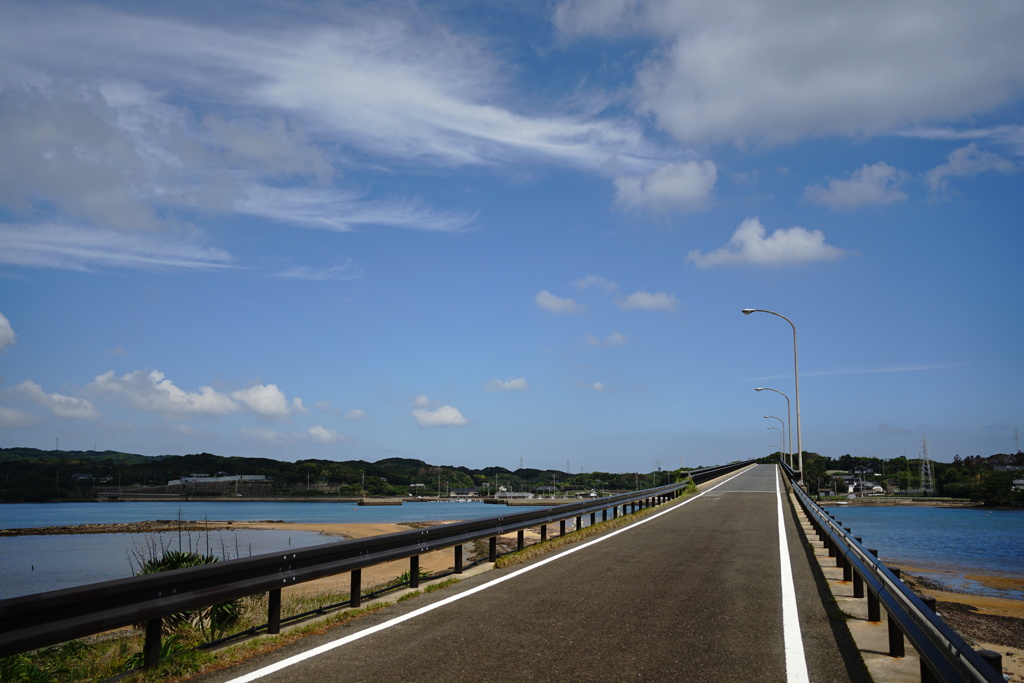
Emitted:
<point x="986" y="622"/>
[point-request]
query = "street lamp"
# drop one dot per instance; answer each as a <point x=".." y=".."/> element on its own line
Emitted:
<point x="796" y="382"/>
<point x="782" y="434"/>
<point x="789" y="419"/>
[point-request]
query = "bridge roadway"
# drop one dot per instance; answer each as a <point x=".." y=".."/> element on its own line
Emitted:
<point x="696" y="593"/>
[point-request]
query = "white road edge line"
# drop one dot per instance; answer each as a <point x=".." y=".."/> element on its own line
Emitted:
<point x="796" y="662"/>
<point x="327" y="647"/>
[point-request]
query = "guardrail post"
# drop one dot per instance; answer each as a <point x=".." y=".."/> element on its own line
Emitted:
<point x="615" y="512"/>
<point x="579" y="522"/>
<point x="414" y="571"/>
<point x="151" y="649"/>
<point x="858" y="581"/>
<point x="543" y="532"/>
<point x="604" y="515"/>
<point x="846" y="564"/>
<point x="993" y="658"/>
<point x="926" y="673"/>
<point x="521" y="539"/>
<point x="561" y="527"/>
<point x="874" y="613"/>
<point x="897" y="646"/>
<point x="593" y="518"/>
<point x="492" y="549"/>
<point x="458" y="559"/>
<point x="355" y="593"/>
<point x="274" y="611"/>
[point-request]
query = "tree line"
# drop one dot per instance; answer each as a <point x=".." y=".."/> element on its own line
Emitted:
<point x="988" y="480"/>
<point x="33" y="475"/>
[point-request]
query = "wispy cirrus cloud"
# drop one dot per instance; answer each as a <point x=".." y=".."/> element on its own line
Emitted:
<point x="347" y="270"/>
<point x="79" y="248"/>
<point x="876" y="370"/>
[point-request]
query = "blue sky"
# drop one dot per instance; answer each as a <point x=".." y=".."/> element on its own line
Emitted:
<point x="485" y="233"/>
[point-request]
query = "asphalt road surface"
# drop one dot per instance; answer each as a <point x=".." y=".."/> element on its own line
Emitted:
<point x="696" y="593"/>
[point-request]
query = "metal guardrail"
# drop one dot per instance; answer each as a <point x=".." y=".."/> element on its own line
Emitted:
<point x="33" y="621"/>
<point x="945" y="655"/>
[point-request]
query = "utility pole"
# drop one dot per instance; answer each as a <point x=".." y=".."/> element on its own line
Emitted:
<point x="926" y="467"/>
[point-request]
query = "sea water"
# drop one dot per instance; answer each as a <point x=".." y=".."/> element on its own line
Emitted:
<point x="34" y="564"/>
<point x="946" y="544"/>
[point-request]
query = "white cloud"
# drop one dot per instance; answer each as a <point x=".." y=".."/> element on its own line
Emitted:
<point x="356" y="414"/>
<point x="557" y="304"/>
<point x="613" y="339"/>
<point x="595" y="386"/>
<point x="517" y="384"/>
<point x="647" y="301"/>
<point x="320" y="434"/>
<point x="597" y="281"/>
<point x="59" y="404"/>
<point x="967" y="161"/>
<point x="15" y="417"/>
<point x="7" y="336"/>
<point x="875" y="185"/>
<point x="153" y="392"/>
<point x="751" y="71"/>
<point x="673" y="187"/>
<point x="266" y="400"/>
<point x="430" y="414"/>
<point x="749" y="245"/>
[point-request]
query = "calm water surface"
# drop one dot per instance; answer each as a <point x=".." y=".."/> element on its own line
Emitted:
<point x="33" y="564"/>
<point x="949" y="544"/>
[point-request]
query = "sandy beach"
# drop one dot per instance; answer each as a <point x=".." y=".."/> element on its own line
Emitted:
<point x="431" y="563"/>
<point x="986" y="622"/>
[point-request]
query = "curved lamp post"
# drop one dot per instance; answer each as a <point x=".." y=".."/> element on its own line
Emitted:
<point x="796" y="382"/>
<point x="782" y="434"/>
<point x="789" y="419"/>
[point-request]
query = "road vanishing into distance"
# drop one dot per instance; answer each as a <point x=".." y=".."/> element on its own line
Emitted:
<point x="715" y="587"/>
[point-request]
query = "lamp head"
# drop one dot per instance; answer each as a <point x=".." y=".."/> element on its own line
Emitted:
<point x="758" y="388"/>
<point x="747" y="311"/>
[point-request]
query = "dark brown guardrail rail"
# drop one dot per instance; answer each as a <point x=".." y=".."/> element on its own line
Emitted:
<point x="33" y="621"/>
<point x="945" y="655"/>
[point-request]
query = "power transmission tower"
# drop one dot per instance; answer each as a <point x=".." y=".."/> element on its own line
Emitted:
<point x="926" y="467"/>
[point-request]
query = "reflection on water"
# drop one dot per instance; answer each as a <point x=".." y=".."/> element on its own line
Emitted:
<point x="947" y="545"/>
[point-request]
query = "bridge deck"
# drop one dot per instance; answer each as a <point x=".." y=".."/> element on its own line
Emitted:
<point x="694" y="593"/>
